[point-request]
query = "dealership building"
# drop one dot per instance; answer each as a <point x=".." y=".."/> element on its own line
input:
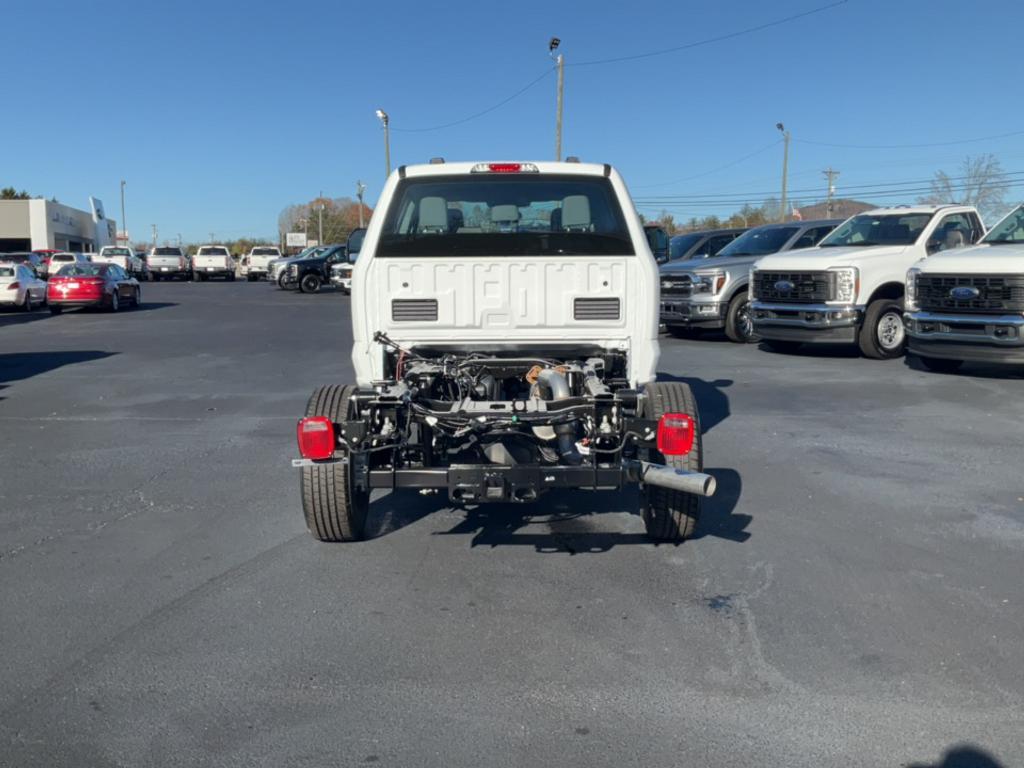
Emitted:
<point x="35" y="225"/>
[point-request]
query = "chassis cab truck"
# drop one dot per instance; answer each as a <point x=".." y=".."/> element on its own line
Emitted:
<point x="850" y="289"/>
<point x="968" y="305"/>
<point x="505" y="321"/>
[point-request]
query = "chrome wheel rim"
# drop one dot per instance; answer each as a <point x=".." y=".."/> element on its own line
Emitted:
<point x="744" y="323"/>
<point x="890" y="331"/>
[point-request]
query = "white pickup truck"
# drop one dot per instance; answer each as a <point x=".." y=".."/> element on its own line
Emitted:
<point x="968" y="305"/>
<point x="505" y="343"/>
<point x="255" y="263"/>
<point x="850" y="289"/>
<point x="125" y="258"/>
<point x="168" y="261"/>
<point x="213" y="261"/>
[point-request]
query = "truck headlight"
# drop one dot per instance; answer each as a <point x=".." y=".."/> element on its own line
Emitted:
<point x="752" y="285"/>
<point x="910" y="299"/>
<point x="847" y="284"/>
<point x="708" y="282"/>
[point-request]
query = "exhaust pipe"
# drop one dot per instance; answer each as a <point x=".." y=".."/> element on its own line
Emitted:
<point x="682" y="480"/>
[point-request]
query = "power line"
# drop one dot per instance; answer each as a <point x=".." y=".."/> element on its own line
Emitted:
<point x="501" y="103"/>
<point x="897" y="186"/>
<point x="713" y="170"/>
<point x="911" y="146"/>
<point x="708" y="41"/>
<point x="696" y="44"/>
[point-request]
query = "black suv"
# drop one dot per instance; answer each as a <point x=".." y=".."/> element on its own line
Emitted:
<point x="308" y="275"/>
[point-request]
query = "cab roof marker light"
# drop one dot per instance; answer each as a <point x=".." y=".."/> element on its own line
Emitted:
<point x="505" y="168"/>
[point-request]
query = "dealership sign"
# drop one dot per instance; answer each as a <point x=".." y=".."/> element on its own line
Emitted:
<point x="296" y="239"/>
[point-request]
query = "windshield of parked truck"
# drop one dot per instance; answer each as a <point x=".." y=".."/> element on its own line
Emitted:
<point x="116" y="252"/>
<point x="213" y="252"/>
<point x="680" y="245"/>
<point x="167" y="252"/>
<point x="504" y="214"/>
<point x="1009" y="230"/>
<point x="878" y="229"/>
<point x="264" y="252"/>
<point x="759" y="242"/>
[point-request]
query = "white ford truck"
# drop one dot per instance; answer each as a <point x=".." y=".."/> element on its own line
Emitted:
<point x="255" y="263"/>
<point x="213" y="261"/>
<point x="505" y="343"/>
<point x="968" y="305"/>
<point x="124" y="257"/>
<point x="850" y="289"/>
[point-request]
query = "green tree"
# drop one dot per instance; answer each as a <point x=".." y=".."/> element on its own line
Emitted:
<point x="9" y="193"/>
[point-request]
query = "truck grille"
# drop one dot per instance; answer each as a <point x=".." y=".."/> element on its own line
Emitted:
<point x="676" y="285"/>
<point x="414" y="310"/>
<point x="808" y="287"/>
<point x="995" y="293"/>
<point x="596" y="309"/>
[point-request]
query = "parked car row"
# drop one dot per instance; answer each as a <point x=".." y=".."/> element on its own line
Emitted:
<point x="315" y="267"/>
<point x="79" y="283"/>
<point x="929" y="275"/>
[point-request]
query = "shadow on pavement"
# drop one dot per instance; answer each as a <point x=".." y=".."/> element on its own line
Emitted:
<point x="963" y="756"/>
<point x="15" y="366"/>
<point x="20" y="316"/>
<point x="816" y="350"/>
<point x="572" y="517"/>
<point x="969" y="370"/>
<point x="712" y="402"/>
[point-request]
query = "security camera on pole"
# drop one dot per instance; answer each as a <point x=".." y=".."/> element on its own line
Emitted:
<point x="360" y="189"/>
<point x="384" y="119"/>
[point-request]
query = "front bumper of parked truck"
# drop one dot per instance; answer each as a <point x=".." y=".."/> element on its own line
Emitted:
<point x="807" y="323"/>
<point x="976" y="338"/>
<point x="694" y="314"/>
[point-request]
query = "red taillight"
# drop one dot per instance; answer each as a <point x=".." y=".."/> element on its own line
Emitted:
<point x="675" y="434"/>
<point x="14" y="286"/>
<point x="316" y="437"/>
<point x="505" y="167"/>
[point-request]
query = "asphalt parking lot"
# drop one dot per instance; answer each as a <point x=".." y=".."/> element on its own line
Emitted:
<point x="853" y="595"/>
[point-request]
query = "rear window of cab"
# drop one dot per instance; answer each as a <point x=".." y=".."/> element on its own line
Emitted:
<point x="504" y="215"/>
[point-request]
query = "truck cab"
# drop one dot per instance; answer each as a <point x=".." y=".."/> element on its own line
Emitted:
<point x="125" y="258"/>
<point x="504" y="322"/>
<point x="967" y="304"/>
<point x="850" y="289"/>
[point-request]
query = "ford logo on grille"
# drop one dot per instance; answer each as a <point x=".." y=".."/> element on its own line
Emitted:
<point x="784" y="286"/>
<point x="964" y="293"/>
<point x="666" y="284"/>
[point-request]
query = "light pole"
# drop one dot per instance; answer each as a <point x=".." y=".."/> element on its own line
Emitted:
<point x="124" y="224"/>
<point x="785" y="166"/>
<point x="559" y="60"/>
<point x="360" y="189"/>
<point x="320" y="239"/>
<point x="383" y="117"/>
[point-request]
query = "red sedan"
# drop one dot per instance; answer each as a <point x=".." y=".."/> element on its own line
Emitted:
<point x="92" y="285"/>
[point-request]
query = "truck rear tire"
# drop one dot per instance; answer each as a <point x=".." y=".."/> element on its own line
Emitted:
<point x="309" y="284"/>
<point x="334" y="509"/>
<point x="882" y="336"/>
<point x="941" y="364"/>
<point x="739" y="326"/>
<point x="671" y="515"/>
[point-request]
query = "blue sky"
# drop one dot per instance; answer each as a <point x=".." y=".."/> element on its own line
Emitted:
<point x="220" y="114"/>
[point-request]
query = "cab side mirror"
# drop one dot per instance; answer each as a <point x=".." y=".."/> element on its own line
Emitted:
<point x="933" y="246"/>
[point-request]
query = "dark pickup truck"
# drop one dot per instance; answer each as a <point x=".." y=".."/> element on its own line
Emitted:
<point x="309" y="275"/>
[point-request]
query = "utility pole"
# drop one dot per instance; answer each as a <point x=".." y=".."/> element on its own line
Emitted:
<point x="154" y="234"/>
<point x="384" y="120"/>
<point x="213" y="237"/>
<point x="830" y="175"/>
<point x="321" y="238"/>
<point x="560" y="62"/>
<point x="124" y="223"/>
<point x="785" y="167"/>
<point x="360" y="189"/>
<point x="179" y="239"/>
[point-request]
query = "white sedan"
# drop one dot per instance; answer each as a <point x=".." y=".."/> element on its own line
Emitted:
<point x="19" y="287"/>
